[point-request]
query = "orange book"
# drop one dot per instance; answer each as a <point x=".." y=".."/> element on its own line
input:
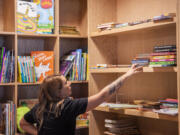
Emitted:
<point x="44" y="64"/>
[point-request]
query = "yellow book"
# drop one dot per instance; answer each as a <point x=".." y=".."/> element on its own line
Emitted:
<point x="19" y="73"/>
<point x="87" y="72"/>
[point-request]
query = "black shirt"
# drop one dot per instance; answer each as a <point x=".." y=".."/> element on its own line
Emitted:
<point x="65" y="124"/>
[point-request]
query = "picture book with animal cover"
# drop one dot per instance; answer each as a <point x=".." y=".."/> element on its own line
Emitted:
<point x="45" y="16"/>
<point x="44" y="64"/>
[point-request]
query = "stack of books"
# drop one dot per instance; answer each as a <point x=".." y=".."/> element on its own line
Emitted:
<point x="68" y="30"/>
<point x="141" y="59"/>
<point x="163" y="56"/>
<point x="8" y="118"/>
<point x="106" y="26"/>
<point x="168" y="106"/>
<point x="123" y="126"/>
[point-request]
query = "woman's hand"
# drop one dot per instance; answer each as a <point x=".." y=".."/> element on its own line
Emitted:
<point x="134" y="70"/>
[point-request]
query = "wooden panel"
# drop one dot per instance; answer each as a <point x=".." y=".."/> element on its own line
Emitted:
<point x="73" y="13"/>
<point x="79" y="90"/>
<point x="28" y="92"/>
<point x="1" y="16"/>
<point x="136" y="28"/>
<point x="139" y="113"/>
<point x="7" y="93"/>
<point x="102" y="51"/>
<point x="123" y="70"/>
<point x="149" y="86"/>
<point x="129" y="45"/>
<point x="157" y="127"/>
<point x="178" y="56"/>
<point x="133" y="10"/>
<point x="28" y="44"/>
<point x="8" y="15"/>
<point x="101" y="11"/>
<point x="69" y="44"/>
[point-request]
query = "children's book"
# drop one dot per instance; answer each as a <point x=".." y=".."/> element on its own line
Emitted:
<point x="26" y="17"/>
<point x="44" y="64"/>
<point x="45" y="16"/>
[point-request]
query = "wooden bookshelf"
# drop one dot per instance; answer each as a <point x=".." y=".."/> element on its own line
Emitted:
<point x="123" y="70"/>
<point x="139" y="113"/>
<point x="140" y="27"/>
<point x="119" y="46"/>
<point x="66" y="13"/>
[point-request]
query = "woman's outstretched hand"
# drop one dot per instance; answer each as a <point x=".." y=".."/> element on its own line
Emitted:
<point x="135" y="68"/>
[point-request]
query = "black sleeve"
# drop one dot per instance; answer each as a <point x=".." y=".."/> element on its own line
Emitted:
<point x="77" y="106"/>
<point x="31" y="115"/>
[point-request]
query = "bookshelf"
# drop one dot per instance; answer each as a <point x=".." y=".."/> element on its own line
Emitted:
<point x="119" y="46"/>
<point x="67" y="12"/>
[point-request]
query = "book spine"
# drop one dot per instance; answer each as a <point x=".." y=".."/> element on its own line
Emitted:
<point x="159" y="60"/>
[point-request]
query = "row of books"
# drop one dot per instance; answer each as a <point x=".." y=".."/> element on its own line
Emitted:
<point x="123" y="126"/>
<point x="162" y="56"/>
<point x="74" y="65"/>
<point x="35" y="68"/>
<point x="7" y="65"/>
<point x="8" y="118"/>
<point x="68" y="30"/>
<point x="26" y="69"/>
<point x="35" y="16"/>
<point x="155" y="19"/>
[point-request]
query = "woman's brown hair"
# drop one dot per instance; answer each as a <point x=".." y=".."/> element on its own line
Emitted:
<point x="50" y="95"/>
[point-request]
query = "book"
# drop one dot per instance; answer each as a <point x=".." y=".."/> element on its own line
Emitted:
<point x="26" y="17"/>
<point x="45" y="16"/>
<point x="44" y="63"/>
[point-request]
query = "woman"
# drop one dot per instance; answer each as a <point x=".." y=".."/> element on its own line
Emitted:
<point x="56" y="112"/>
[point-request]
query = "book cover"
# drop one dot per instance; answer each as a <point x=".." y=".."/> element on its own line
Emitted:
<point x="45" y="16"/>
<point x="44" y="63"/>
<point x="26" y="17"/>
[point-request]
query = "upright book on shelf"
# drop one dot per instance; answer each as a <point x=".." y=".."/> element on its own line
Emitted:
<point x="26" y="17"/>
<point x="44" y="63"/>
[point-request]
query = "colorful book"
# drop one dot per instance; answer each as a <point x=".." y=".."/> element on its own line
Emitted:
<point x="44" y="63"/>
<point x="45" y="16"/>
<point x="26" y="17"/>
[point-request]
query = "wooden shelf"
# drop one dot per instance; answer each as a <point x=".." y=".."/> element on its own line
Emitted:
<point x="82" y="127"/>
<point x="7" y="33"/>
<point x="139" y="113"/>
<point x="38" y="83"/>
<point x="123" y="70"/>
<point x="7" y="84"/>
<point x="74" y="82"/>
<point x="37" y="35"/>
<point x="145" y="26"/>
<point x="71" y="36"/>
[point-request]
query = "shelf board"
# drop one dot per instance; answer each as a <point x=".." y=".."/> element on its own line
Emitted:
<point x="123" y="70"/>
<point x="7" y="33"/>
<point x="144" y="26"/>
<point x="38" y="83"/>
<point x="36" y="35"/>
<point x="82" y="127"/>
<point x="139" y="113"/>
<point x="6" y="84"/>
<point x="71" y="36"/>
<point x="74" y="82"/>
